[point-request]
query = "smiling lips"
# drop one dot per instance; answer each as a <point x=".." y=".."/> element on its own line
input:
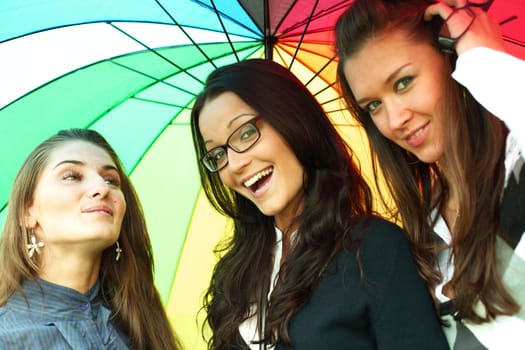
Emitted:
<point x="251" y="183"/>
<point x="103" y="209"/>
<point x="416" y="138"/>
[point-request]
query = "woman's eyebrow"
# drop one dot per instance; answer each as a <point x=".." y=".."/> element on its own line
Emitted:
<point x="78" y="162"/>
<point x="68" y="161"/>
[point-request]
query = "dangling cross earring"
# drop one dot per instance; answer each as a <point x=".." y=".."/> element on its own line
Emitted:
<point x="34" y="245"/>
<point x="118" y="250"/>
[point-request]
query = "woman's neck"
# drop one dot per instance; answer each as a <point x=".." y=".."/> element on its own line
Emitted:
<point x="287" y="238"/>
<point x="450" y="209"/>
<point x="73" y="271"/>
<point x="451" y="214"/>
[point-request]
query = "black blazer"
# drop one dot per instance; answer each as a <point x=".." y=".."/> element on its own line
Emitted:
<point x="389" y="309"/>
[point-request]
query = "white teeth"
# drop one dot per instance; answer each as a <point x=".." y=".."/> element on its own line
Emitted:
<point x="257" y="177"/>
<point x="416" y="134"/>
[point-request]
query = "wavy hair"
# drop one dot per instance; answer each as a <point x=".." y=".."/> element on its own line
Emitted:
<point x="474" y="162"/>
<point x="335" y="198"/>
<point x="127" y="286"/>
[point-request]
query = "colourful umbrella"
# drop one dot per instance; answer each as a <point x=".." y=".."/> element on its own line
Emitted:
<point x="131" y="69"/>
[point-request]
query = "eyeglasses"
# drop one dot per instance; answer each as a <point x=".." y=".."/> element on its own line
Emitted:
<point x="447" y="43"/>
<point x="240" y="140"/>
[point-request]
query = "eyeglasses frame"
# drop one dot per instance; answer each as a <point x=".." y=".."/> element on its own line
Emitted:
<point x="227" y="145"/>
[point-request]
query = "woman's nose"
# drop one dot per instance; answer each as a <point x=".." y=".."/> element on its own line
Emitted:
<point x="98" y="187"/>
<point x="398" y="115"/>
<point x="237" y="161"/>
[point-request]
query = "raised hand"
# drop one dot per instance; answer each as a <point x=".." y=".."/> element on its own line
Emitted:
<point x="466" y="25"/>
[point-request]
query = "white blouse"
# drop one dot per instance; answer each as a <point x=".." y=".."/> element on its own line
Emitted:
<point x="495" y="79"/>
<point x="248" y="328"/>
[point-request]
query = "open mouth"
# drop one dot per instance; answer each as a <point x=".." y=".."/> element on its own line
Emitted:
<point x="258" y="180"/>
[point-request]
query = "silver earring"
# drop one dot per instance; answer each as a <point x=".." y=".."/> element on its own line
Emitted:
<point x="118" y="250"/>
<point x="34" y="246"/>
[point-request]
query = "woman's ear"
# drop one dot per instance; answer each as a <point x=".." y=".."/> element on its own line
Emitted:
<point x="29" y="219"/>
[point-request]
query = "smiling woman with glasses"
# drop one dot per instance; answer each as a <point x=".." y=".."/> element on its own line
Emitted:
<point x="309" y="265"/>
<point x="440" y="101"/>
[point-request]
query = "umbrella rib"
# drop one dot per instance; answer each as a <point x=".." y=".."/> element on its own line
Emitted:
<point x="328" y="86"/>
<point x="153" y="78"/>
<point x="316" y="16"/>
<point x="507" y="20"/>
<point x="337" y="110"/>
<point x="268" y="42"/>
<point x="328" y="101"/>
<point x="320" y="70"/>
<point x="332" y="100"/>
<point x="224" y="30"/>
<point x="159" y="102"/>
<point x="514" y="41"/>
<point x="285" y="15"/>
<point x="231" y="18"/>
<point x="155" y="52"/>
<point x="280" y="55"/>
<point x="186" y="33"/>
<point x="303" y="34"/>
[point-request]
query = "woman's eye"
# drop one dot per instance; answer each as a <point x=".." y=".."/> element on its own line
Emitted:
<point x="219" y="154"/>
<point x="372" y="106"/>
<point x="248" y="133"/>
<point x="112" y="180"/>
<point x="71" y="176"/>
<point x="403" y="83"/>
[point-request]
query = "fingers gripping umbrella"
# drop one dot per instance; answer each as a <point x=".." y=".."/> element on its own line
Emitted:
<point x="131" y="69"/>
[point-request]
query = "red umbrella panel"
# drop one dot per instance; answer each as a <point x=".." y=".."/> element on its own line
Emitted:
<point x="511" y="16"/>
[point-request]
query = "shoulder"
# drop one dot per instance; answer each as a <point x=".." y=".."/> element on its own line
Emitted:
<point x="5" y="315"/>
<point x="14" y="328"/>
<point x="11" y="319"/>
<point x="384" y="249"/>
<point x="376" y="232"/>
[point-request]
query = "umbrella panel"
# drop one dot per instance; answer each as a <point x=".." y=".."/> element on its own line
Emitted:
<point x="513" y="31"/>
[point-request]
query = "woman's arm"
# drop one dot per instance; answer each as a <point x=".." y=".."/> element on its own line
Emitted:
<point x="496" y="80"/>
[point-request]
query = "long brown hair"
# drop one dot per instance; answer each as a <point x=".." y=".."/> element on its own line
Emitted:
<point x="127" y="286"/>
<point x="335" y="198"/>
<point x="474" y="162"/>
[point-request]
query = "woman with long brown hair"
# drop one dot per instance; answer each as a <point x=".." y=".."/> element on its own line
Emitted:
<point x="76" y="267"/>
<point x="438" y="97"/>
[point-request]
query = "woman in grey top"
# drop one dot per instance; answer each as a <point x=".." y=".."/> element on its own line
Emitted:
<point x="76" y="260"/>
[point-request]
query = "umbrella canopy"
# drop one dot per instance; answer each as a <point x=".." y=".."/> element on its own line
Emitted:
<point x="131" y="70"/>
<point x="511" y="16"/>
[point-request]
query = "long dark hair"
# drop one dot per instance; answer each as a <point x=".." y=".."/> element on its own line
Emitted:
<point x="335" y="198"/>
<point x="127" y="286"/>
<point x="474" y="161"/>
